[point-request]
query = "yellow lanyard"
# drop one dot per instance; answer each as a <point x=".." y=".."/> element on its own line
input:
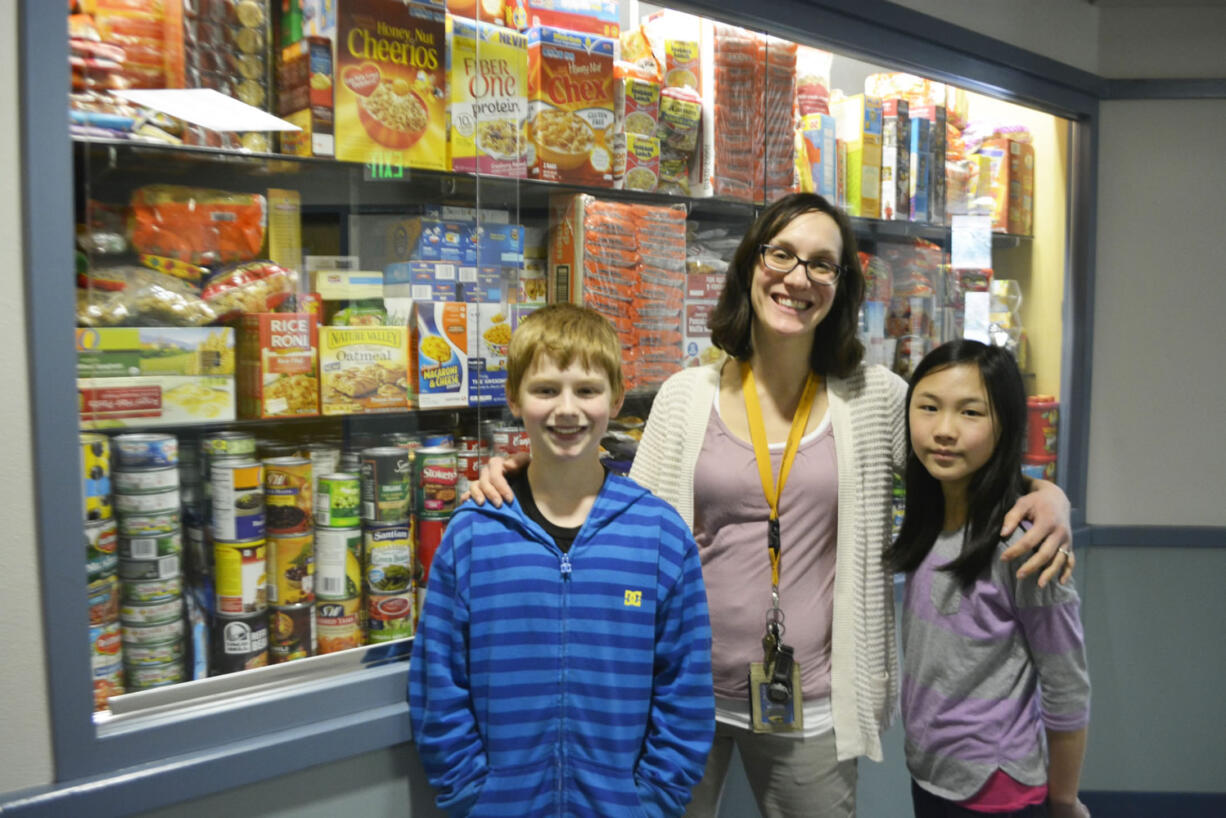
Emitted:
<point x="757" y="434"/>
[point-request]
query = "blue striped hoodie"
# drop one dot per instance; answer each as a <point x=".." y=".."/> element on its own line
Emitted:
<point x="574" y="684"/>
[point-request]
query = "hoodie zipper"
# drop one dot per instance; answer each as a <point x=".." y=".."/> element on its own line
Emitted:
<point x="565" y="570"/>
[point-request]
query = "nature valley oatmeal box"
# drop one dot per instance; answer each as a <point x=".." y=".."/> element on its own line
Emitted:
<point x="488" y="84"/>
<point x="363" y="369"/>
<point x="278" y="357"/>
<point x="571" y="126"/>
<point x="391" y="84"/>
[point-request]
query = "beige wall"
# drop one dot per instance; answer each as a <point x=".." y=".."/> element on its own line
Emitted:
<point x="25" y="751"/>
<point x="1163" y="40"/>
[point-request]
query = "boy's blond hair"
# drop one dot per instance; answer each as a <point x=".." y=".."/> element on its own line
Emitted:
<point x="565" y="332"/>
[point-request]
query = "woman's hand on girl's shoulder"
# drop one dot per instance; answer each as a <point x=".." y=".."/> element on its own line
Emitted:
<point x="1051" y="533"/>
<point x="493" y="485"/>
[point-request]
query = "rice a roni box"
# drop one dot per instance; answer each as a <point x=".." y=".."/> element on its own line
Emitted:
<point x="571" y="119"/>
<point x="488" y="78"/>
<point x="278" y="365"/>
<point x="391" y="84"/>
<point x="363" y="370"/>
<point x="438" y="358"/>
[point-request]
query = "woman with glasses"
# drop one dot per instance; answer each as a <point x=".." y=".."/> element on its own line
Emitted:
<point x="781" y="457"/>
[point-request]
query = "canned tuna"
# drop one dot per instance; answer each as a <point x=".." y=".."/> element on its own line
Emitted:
<point x="338" y="562"/>
<point x="150" y="503"/>
<point x="222" y="445"/>
<point x="145" y="451"/>
<point x="156" y="654"/>
<point x="140" y="525"/>
<point x="147" y="677"/>
<point x="159" y="568"/>
<point x="238" y="500"/>
<point x="438" y="440"/>
<point x="152" y="634"/>
<point x="153" y="590"/>
<point x="385" y="486"/>
<point x="240" y="577"/>
<point x="291" y="569"/>
<point x="151" y="547"/>
<point x="338" y="500"/>
<point x="389" y="557"/>
<point x="136" y="613"/>
<point x="147" y="481"/>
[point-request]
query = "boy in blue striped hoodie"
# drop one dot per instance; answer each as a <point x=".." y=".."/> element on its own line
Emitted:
<point x="562" y="663"/>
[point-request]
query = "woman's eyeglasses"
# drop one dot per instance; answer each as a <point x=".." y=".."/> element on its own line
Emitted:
<point x="780" y="260"/>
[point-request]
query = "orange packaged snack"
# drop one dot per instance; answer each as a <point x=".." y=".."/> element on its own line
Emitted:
<point x="197" y="225"/>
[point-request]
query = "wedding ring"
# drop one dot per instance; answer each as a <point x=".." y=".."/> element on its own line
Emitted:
<point x="1066" y="552"/>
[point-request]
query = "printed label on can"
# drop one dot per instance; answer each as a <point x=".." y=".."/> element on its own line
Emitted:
<point x="146" y="481"/>
<point x="108" y="682"/>
<point x="429" y="535"/>
<point x="143" y="677"/>
<point x="199" y="551"/>
<point x="99" y="565"/>
<point x="435" y="481"/>
<point x="147" y="548"/>
<point x="291" y="569"/>
<point x="145" y="451"/>
<point x="390" y="616"/>
<point x="104" y="600"/>
<point x="154" y="590"/>
<point x="338" y="562"/>
<point x="338" y="625"/>
<point x="238" y="500"/>
<point x="155" y="654"/>
<point x="104" y="640"/>
<point x="137" y="525"/>
<point x="386" y="484"/>
<point x="96" y="475"/>
<point x="228" y="444"/>
<point x="291" y="633"/>
<point x="148" y="503"/>
<point x="338" y="501"/>
<point x="240" y="577"/>
<point x="100" y="537"/>
<point x="240" y="643"/>
<point x="389" y="557"/>
<point x="160" y="568"/>
<point x="136" y="613"/>
<point x="287" y="494"/>
<point x="324" y="459"/>
<point x="152" y="634"/>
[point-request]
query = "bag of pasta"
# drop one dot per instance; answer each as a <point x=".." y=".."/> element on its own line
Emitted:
<point x="258" y="286"/>
<point x="131" y="296"/>
<point x="197" y="225"/>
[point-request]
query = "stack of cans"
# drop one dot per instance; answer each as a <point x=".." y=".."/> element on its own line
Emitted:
<point x="290" y="557"/>
<point x="101" y="564"/>
<point x="435" y="479"/>
<point x="387" y="534"/>
<point x="237" y="529"/>
<point x="147" y="501"/>
<point x="339" y="613"/>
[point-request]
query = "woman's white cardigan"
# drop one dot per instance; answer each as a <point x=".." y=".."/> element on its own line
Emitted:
<point x="866" y="411"/>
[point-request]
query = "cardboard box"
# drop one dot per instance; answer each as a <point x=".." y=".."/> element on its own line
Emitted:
<point x="155" y="400"/>
<point x="858" y="125"/>
<point x="391" y="84"/>
<point x="697" y="348"/>
<point x="488" y="78"/>
<point x="305" y="80"/>
<point x="278" y="365"/>
<point x="1020" y="218"/>
<point x="895" y="160"/>
<point x="921" y="170"/>
<point x="489" y="335"/>
<point x="935" y="114"/>
<point x="819" y="156"/>
<point x="363" y="370"/>
<point x="125" y="352"/>
<point x="347" y="285"/>
<point x="591" y="16"/>
<point x="570" y="107"/>
<point x="438" y="357"/>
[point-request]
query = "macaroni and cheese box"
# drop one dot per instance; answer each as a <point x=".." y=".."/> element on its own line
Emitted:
<point x="488" y="76"/>
<point x="278" y="357"/>
<point x="363" y="370"/>
<point x="489" y="335"/>
<point x="590" y="16"/>
<point x="858" y="123"/>
<point x="571" y="118"/>
<point x="391" y="84"/>
<point x="438" y="357"/>
<point x="124" y="352"/>
<point x="154" y="400"/>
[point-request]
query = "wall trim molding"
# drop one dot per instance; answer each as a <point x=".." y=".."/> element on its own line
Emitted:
<point x="1138" y="89"/>
<point x="1157" y="536"/>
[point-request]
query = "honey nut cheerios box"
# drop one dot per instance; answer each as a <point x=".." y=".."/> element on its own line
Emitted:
<point x="488" y="81"/>
<point x="391" y="84"/>
<point x="572" y="127"/>
<point x="278" y="365"/>
<point x="363" y="370"/>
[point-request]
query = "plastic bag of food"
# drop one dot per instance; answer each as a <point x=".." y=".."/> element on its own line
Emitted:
<point x="197" y="225"/>
<point x="134" y="296"/>
<point x="258" y="286"/>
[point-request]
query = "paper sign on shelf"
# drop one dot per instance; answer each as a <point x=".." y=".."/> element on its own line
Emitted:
<point x="975" y="318"/>
<point x="971" y="243"/>
<point x="207" y="108"/>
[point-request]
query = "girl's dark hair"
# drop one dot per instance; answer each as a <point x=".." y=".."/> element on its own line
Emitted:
<point x="993" y="489"/>
<point x="836" y="350"/>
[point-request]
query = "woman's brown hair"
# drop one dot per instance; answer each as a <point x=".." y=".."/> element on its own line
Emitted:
<point x="836" y="350"/>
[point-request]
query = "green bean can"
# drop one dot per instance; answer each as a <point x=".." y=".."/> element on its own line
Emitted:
<point x="338" y="501"/>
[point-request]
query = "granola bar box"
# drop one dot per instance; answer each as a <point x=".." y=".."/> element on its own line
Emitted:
<point x="278" y="365"/>
<point x="363" y="370"/>
<point x="391" y="84"/>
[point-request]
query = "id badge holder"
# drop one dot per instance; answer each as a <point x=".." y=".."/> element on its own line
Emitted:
<point x="776" y="704"/>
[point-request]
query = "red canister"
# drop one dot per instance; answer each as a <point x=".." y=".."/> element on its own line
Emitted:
<point x="1042" y="426"/>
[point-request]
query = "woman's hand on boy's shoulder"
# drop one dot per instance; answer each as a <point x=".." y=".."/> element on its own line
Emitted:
<point x="1051" y="533"/>
<point x="492" y="485"/>
<point x="1076" y="809"/>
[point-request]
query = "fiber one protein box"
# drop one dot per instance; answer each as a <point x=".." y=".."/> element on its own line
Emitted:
<point x="278" y="358"/>
<point x="489" y="83"/>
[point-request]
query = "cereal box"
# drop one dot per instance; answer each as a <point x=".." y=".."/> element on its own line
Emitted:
<point x="438" y="359"/>
<point x="935" y="114"/>
<point x="819" y="156"/>
<point x="858" y="125"/>
<point x="278" y="358"/>
<point x="391" y="84"/>
<point x="489" y="335"/>
<point x="363" y="369"/>
<point x="895" y="160"/>
<point x="571" y="122"/>
<point x="489" y="104"/>
<point x="590" y="16"/>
